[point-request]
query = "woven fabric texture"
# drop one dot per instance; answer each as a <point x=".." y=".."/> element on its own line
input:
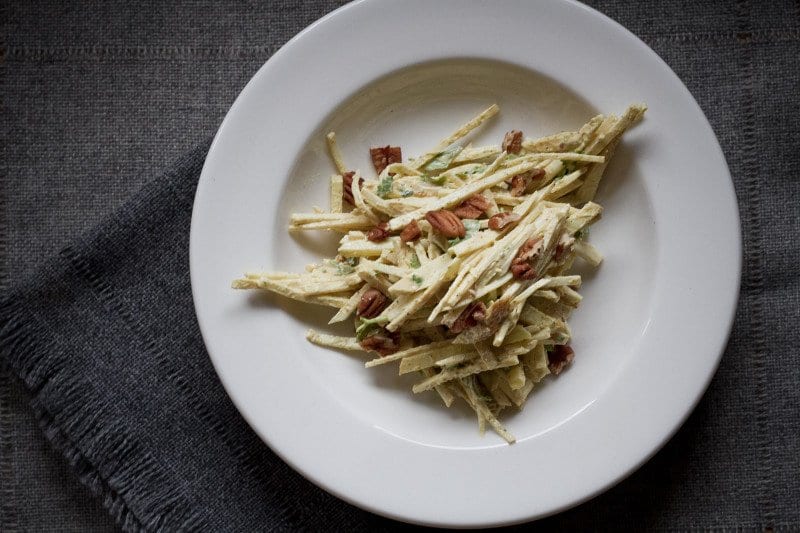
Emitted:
<point x="110" y="413"/>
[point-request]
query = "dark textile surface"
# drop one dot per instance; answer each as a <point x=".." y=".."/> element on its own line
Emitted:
<point x="99" y="338"/>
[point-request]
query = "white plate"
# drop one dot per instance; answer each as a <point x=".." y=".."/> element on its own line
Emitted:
<point x="648" y="335"/>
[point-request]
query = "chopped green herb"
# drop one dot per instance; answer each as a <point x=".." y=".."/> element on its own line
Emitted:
<point x="369" y="326"/>
<point x="376" y="320"/>
<point x="385" y="186"/>
<point x="549" y="348"/>
<point x="414" y="263"/>
<point x="581" y="234"/>
<point x="406" y="193"/>
<point x="352" y="261"/>
<point x="478" y="169"/>
<point x="435" y="180"/>
<point x="364" y="331"/>
<point x="442" y="160"/>
<point x="342" y="268"/>
<point x="416" y="279"/>
<point x="472" y="227"/>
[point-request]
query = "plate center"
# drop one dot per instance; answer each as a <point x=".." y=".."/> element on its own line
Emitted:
<point x="414" y="108"/>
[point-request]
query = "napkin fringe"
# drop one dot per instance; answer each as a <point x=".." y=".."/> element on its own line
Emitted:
<point x="69" y="410"/>
<point x="172" y="373"/>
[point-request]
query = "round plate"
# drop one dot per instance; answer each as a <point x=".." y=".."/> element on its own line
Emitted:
<point x="655" y="316"/>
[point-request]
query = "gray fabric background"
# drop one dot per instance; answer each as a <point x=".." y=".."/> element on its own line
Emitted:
<point x="100" y="97"/>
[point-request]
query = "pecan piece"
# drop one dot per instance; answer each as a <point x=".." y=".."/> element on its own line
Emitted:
<point x="474" y="314"/>
<point x="384" y="156"/>
<point x="522" y="271"/>
<point x="520" y="182"/>
<point x="446" y="223"/>
<point x="379" y="232"/>
<point x="512" y="142"/>
<point x="347" y="186"/>
<point x="472" y="207"/>
<point x="411" y="232"/>
<point x="529" y="250"/>
<point x="563" y="247"/>
<point x="479" y="313"/>
<point x="372" y="303"/>
<point x="559" y="357"/>
<point x="498" y="312"/>
<point x="528" y="253"/>
<point x="501" y="220"/>
<point x="518" y="185"/>
<point x="383" y="342"/>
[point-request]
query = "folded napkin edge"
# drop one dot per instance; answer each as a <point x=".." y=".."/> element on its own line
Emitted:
<point x="71" y="426"/>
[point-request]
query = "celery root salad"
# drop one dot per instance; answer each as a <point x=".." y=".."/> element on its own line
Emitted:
<point x="456" y="264"/>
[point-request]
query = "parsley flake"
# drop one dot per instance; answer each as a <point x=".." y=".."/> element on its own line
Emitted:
<point x="369" y="326"/>
<point x="442" y="160"/>
<point x="435" y="180"/>
<point x="385" y="186"/>
<point x="472" y="227"/>
<point x="342" y="267"/>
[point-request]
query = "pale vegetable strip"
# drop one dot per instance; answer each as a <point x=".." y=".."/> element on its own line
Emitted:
<point x="478" y="316"/>
<point x="360" y="204"/>
<point x="461" y="194"/>
<point x="336" y="155"/>
<point x="563" y="156"/>
<point x="350" y="307"/>
<point x="333" y="341"/>
<point x="342" y="222"/>
<point x="296" y="294"/>
<point x="477" y="154"/>
<point x="458" y="134"/>
<point x="337" y="205"/>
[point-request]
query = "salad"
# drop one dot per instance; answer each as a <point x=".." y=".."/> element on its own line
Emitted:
<point x="456" y="264"/>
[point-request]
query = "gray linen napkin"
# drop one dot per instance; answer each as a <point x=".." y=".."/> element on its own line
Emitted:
<point x="104" y="338"/>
